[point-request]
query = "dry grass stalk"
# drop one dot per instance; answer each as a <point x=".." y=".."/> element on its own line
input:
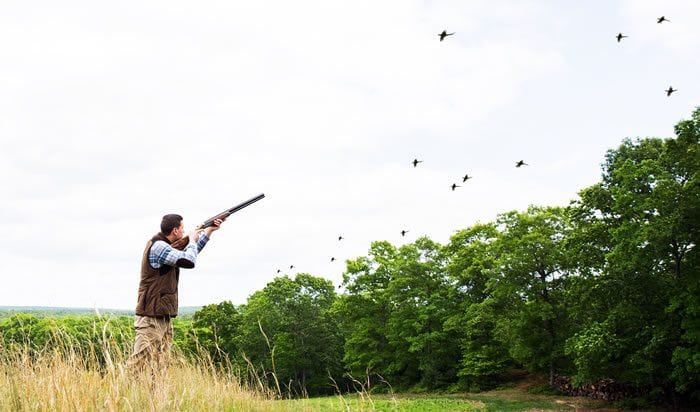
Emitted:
<point x="64" y="376"/>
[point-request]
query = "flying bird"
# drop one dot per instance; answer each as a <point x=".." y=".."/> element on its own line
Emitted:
<point x="278" y="271"/>
<point x="332" y="259"/>
<point x="620" y="37"/>
<point x="403" y="232"/>
<point x="340" y="238"/>
<point x="662" y="19"/>
<point x="466" y="177"/>
<point x="670" y="90"/>
<point x="521" y="163"/>
<point x="454" y="186"/>
<point x="416" y="161"/>
<point x="291" y="266"/>
<point x="444" y="34"/>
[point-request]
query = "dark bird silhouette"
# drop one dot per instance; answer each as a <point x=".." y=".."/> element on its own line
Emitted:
<point x="466" y="177"/>
<point x="340" y="238"/>
<point x="444" y="34"/>
<point x="416" y="161"/>
<point x="662" y="19"/>
<point x="403" y="232"/>
<point x="670" y="90"/>
<point x="291" y="266"/>
<point x="332" y="259"/>
<point x="620" y="37"/>
<point x="278" y="271"/>
<point x="454" y="186"/>
<point x="521" y="163"/>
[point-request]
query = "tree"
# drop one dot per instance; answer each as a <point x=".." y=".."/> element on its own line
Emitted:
<point x="642" y="325"/>
<point x="288" y="329"/>
<point x="530" y="284"/>
<point x="365" y="310"/>
<point x="215" y="328"/>
<point x="419" y="291"/>
<point x="472" y="261"/>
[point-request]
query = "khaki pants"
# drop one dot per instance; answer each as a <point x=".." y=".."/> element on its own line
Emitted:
<point x="154" y="338"/>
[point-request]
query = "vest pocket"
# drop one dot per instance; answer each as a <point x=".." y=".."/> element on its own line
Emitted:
<point x="166" y="304"/>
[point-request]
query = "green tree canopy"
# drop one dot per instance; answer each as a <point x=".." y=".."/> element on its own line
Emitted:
<point x="290" y="323"/>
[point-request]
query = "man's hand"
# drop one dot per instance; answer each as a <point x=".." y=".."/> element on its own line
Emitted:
<point x="194" y="235"/>
<point x="217" y="225"/>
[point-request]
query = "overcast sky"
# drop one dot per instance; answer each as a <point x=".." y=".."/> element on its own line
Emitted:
<point x="113" y="114"/>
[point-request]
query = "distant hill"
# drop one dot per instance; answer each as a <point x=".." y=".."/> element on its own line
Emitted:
<point x="63" y="311"/>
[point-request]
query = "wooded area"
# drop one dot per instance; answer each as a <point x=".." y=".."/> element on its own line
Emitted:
<point x="606" y="288"/>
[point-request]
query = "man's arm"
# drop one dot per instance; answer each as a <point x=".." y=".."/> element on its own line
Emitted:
<point x="202" y="241"/>
<point x="163" y="254"/>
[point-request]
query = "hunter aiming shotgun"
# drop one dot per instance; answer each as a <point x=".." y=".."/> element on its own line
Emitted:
<point x="157" y="301"/>
<point x="229" y="212"/>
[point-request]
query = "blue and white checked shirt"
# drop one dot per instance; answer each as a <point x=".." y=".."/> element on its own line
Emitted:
<point x="163" y="254"/>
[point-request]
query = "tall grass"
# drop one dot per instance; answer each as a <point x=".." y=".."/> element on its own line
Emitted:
<point x="66" y="376"/>
<point x="68" y="373"/>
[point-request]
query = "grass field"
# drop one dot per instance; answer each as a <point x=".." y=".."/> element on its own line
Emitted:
<point x="59" y="379"/>
<point x="59" y="386"/>
<point x="516" y="398"/>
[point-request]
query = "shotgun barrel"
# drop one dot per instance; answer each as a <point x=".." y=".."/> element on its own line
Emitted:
<point x="229" y="212"/>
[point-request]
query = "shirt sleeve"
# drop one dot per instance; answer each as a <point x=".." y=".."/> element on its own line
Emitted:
<point x="201" y="242"/>
<point x="163" y="254"/>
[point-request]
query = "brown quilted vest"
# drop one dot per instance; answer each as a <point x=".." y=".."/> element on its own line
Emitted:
<point x="158" y="287"/>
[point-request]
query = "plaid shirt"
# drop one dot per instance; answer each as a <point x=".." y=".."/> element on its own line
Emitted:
<point x="163" y="254"/>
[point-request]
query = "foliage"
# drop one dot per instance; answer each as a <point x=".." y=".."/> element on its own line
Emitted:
<point x="641" y="311"/>
<point x="364" y="311"/>
<point x="86" y="335"/>
<point x="472" y="261"/>
<point x="289" y="329"/>
<point x="530" y="283"/>
<point x="214" y="329"/>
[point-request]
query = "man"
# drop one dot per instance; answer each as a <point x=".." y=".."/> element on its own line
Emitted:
<point x="164" y="255"/>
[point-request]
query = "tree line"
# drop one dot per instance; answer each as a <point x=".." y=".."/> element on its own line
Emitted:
<point x="607" y="287"/>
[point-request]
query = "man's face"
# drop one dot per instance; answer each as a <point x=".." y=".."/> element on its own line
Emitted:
<point x="179" y="231"/>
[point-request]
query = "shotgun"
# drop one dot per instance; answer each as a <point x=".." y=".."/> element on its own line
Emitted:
<point x="229" y="212"/>
<point x="182" y="242"/>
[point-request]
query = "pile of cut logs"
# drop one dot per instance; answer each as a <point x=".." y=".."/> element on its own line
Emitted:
<point x="606" y="389"/>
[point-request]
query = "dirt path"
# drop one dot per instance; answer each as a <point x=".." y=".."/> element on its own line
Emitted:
<point x="524" y="382"/>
